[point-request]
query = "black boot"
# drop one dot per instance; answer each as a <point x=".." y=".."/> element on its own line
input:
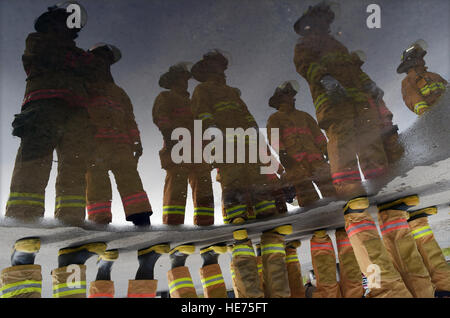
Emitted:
<point x="25" y="251"/>
<point x="147" y="258"/>
<point x="140" y="219"/>
<point x="105" y="263"/>
<point x="79" y="254"/>
<point x="210" y="254"/>
<point x="179" y="254"/>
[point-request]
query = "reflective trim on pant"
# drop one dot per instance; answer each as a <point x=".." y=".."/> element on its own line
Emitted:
<point x="349" y="273"/>
<point x="62" y="288"/>
<point x="142" y="288"/>
<point x="294" y="274"/>
<point x="236" y="211"/>
<point x="264" y="206"/>
<point x="70" y="201"/>
<point x="431" y="253"/>
<point x="22" y="281"/>
<point x="373" y="259"/>
<point x="26" y="199"/>
<point x="180" y="283"/>
<point x="213" y="282"/>
<point x="101" y="289"/>
<point x="136" y="203"/>
<point x="401" y="247"/>
<point x="324" y="265"/>
<point x="276" y="281"/>
<point x="244" y="264"/>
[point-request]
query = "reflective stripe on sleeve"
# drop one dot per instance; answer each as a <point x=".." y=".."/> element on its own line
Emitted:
<point x="419" y="106"/>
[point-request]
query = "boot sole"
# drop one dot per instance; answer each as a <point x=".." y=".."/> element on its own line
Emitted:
<point x="28" y="245"/>
<point x="428" y="211"/>
<point x="98" y="248"/>
<point x="240" y="235"/>
<point x="410" y="201"/>
<point x="357" y="204"/>
<point x="185" y="249"/>
<point x="160" y="249"/>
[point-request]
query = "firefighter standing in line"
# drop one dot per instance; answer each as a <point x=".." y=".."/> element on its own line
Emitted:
<point x="53" y="117"/>
<point x="219" y="105"/>
<point x="421" y="90"/>
<point x="171" y="110"/>
<point x="302" y="146"/>
<point x="353" y="128"/>
<point x="118" y="144"/>
<point x="340" y="99"/>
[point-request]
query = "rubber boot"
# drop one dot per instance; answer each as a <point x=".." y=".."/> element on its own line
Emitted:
<point x="105" y="263"/>
<point x="25" y="250"/>
<point x="179" y="254"/>
<point x="211" y="273"/>
<point x="140" y="219"/>
<point x="401" y="204"/>
<point x="79" y="254"/>
<point x="147" y="258"/>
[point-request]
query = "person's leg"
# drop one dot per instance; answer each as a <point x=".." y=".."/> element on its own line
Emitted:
<point x="324" y="265"/>
<point x="103" y="286"/>
<point x="276" y="282"/>
<point x="145" y="285"/>
<point x="179" y="277"/>
<point x="69" y="279"/>
<point x="430" y="250"/>
<point x="294" y="270"/>
<point x="98" y="195"/>
<point x="175" y="194"/>
<point x="399" y="242"/>
<point x="373" y="259"/>
<point x="210" y="272"/>
<point x="349" y="273"/>
<point x="245" y="267"/>
<point x="135" y="200"/>
<point x="202" y="195"/>
<point x="23" y="279"/>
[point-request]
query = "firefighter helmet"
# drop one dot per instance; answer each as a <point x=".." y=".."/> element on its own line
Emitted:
<point x="175" y="71"/>
<point x="58" y="15"/>
<point x="290" y="88"/>
<point x="215" y="61"/>
<point x="322" y="13"/>
<point x="413" y="54"/>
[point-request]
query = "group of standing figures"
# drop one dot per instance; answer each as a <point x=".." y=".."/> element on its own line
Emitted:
<point x="72" y="105"/>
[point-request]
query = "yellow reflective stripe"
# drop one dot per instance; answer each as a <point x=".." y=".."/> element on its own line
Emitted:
<point x="69" y="292"/>
<point x="235" y="211"/>
<point x="423" y="231"/>
<point x="419" y="106"/>
<point x="180" y="283"/>
<point x="320" y="100"/>
<point x="23" y="282"/>
<point x="260" y="268"/>
<point x="21" y="292"/>
<point x="265" y="205"/>
<point x="29" y="195"/>
<point x="25" y="202"/>
<point x="212" y="280"/>
<point x="427" y="89"/>
<point x="70" y="201"/>
<point x="78" y="284"/>
<point x="244" y="250"/>
<point x="174" y="209"/>
<point x="291" y="258"/>
<point x="312" y="71"/>
<point x="18" y="198"/>
<point x="272" y="248"/>
<point x="205" y="116"/>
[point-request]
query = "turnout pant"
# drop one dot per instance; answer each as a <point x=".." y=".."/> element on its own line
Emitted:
<point x="294" y="274"/>
<point x="180" y="283"/>
<point x="175" y="194"/>
<point x="349" y="273"/>
<point x="119" y="159"/>
<point x="23" y="281"/>
<point x="373" y="258"/>
<point x="431" y="253"/>
<point x="52" y="125"/>
<point x="401" y="247"/>
<point x="69" y="281"/>
<point x="212" y="282"/>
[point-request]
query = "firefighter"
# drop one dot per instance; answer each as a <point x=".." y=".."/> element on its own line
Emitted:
<point x="389" y="132"/>
<point x="302" y="146"/>
<point x="420" y="89"/>
<point x="429" y="249"/>
<point x="210" y="272"/>
<point x="117" y="144"/>
<point x="23" y="279"/>
<point x="69" y="279"/>
<point x="219" y="105"/>
<point x="171" y="110"/>
<point x="340" y="99"/>
<point x="53" y="117"/>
